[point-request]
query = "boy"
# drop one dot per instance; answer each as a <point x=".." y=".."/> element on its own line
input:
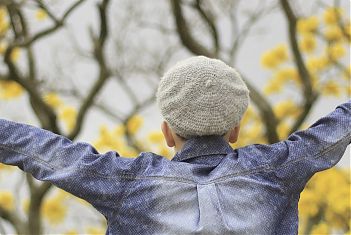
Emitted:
<point x="207" y="188"/>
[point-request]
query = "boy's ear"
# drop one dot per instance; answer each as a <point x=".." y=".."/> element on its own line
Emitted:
<point x="234" y="134"/>
<point x="167" y="133"/>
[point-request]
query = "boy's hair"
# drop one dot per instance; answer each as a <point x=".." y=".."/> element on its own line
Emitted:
<point x="201" y="96"/>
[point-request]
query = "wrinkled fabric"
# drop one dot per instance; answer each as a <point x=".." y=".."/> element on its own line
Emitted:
<point x="207" y="188"/>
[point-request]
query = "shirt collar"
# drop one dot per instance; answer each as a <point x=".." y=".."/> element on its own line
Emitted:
<point x="202" y="146"/>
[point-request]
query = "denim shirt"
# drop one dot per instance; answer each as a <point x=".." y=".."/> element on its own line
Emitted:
<point x="207" y="188"/>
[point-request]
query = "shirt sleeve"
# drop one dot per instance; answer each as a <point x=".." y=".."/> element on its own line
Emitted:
<point x="78" y="168"/>
<point x="320" y="147"/>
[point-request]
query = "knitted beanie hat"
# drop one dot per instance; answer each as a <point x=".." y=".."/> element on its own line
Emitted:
<point x="200" y="96"/>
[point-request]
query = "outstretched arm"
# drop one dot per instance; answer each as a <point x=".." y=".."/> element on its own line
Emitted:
<point x="75" y="167"/>
<point x="306" y="152"/>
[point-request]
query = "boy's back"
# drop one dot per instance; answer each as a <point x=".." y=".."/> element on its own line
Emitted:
<point x="221" y="191"/>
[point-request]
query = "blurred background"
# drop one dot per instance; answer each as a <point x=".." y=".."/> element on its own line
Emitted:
<point x="89" y="70"/>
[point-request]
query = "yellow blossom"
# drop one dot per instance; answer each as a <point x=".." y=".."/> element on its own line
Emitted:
<point x="331" y="15"/>
<point x="68" y="115"/>
<point x="278" y="55"/>
<point x="331" y="88"/>
<point x="317" y="64"/>
<point x="15" y="54"/>
<point x="333" y="33"/>
<point x="249" y="116"/>
<point x="134" y="124"/>
<point x="119" y="130"/>
<point x="281" y="52"/>
<point x="347" y="74"/>
<point x="347" y="28"/>
<point x="108" y="140"/>
<point x="273" y="86"/>
<point x="53" y="100"/>
<point x="6" y="200"/>
<point x="127" y="151"/>
<point x="268" y="60"/>
<point x="307" y="25"/>
<point x="4" y="23"/>
<point x="156" y="137"/>
<point x="54" y="211"/>
<point x="336" y="51"/>
<point x="286" y="108"/>
<point x="283" y="130"/>
<point x="287" y="74"/>
<point x="165" y="152"/>
<point x="10" y="90"/>
<point x="348" y="90"/>
<point x="309" y="203"/>
<point x="308" y="43"/>
<point x="95" y="230"/>
<point x="71" y="232"/>
<point x="328" y="194"/>
<point x="320" y="229"/>
<point x="41" y="14"/>
<point x="3" y="47"/>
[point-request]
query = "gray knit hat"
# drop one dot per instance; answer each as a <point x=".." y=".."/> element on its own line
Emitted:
<point x="201" y="96"/>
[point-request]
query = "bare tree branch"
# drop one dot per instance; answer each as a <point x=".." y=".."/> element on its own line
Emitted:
<point x="13" y="219"/>
<point x="310" y="96"/>
<point x="58" y="24"/>
<point x="246" y="29"/>
<point x="210" y="22"/>
<point x="49" y="120"/>
<point x="266" y="111"/>
<point x="44" y="7"/>
<point x="104" y="72"/>
<point x="339" y="19"/>
<point x="184" y="32"/>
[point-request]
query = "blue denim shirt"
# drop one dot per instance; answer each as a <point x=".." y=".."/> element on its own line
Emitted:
<point x="207" y="188"/>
